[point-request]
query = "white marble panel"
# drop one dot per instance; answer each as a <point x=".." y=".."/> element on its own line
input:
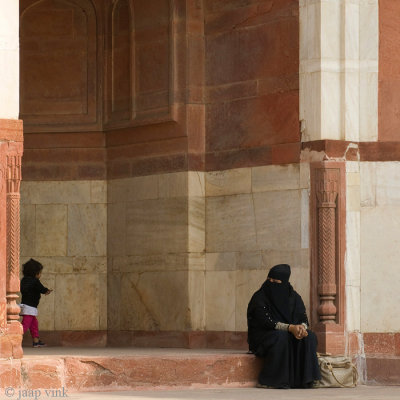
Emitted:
<point x="221" y="261"/>
<point x="28" y="229"/>
<point x="157" y="301"/>
<point x="98" y="192"/>
<point x="51" y="230"/>
<point x="368" y="184"/>
<point x="353" y="198"/>
<point x="116" y="229"/>
<point x="300" y="280"/>
<point x="295" y="258"/>
<point x="117" y="190"/>
<point x="351" y="105"/>
<point x="87" y="230"/>
<point x="275" y="177"/>
<point x="247" y="283"/>
<point x="157" y="226"/>
<point x="197" y="300"/>
<point x="9" y="59"/>
<point x="196" y="261"/>
<point x="353" y="308"/>
<point x="310" y="105"/>
<point x="55" y="192"/>
<point x="369" y="106"/>
<point x="331" y="108"/>
<point x="387" y="183"/>
<point x="196" y="185"/>
<point x="141" y="187"/>
<point x="173" y="185"/>
<point x="196" y="224"/>
<point x="352" y="167"/>
<point x="369" y="30"/>
<point x="231" y="224"/>
<point x="351" y="11"/>
<point x="305" y="219"/>
<point x="228" y="182"/>
<point x="353" y="255"/>
<point x="331" y="30"/>
<point x="249" y="260"/>
<point x="380" y="251"/>
<point x="220" y="300"/>
<point x="312" y="38"/>
<point x="278" y="219"/>
<point x="304" y="175"/>
<point x="77" y="301"/>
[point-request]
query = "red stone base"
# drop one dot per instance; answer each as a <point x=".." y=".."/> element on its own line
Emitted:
<point x="10" y="341"/>
<point x="156" y="339"/>
<point x="383" y="370"/>
<point x="127" y="369"/>
<point x="331" y="339"/>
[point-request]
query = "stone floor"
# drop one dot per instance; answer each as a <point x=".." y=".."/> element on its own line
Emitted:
<point x="360" y="392"/>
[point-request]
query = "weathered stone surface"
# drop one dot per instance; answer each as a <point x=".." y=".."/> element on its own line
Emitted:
<point x="87" y="230"/>
<point x="220" y="300"/>
<point x="157" y="226"/>
<point x="234" y="181"/>
<point x="51" y="228"/>
<point x="85" y="287"/>
<point x="231" y="223"/>
<point x="157" y="300"/>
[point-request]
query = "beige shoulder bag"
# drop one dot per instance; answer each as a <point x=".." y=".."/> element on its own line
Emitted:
<point x="336" y="371"/>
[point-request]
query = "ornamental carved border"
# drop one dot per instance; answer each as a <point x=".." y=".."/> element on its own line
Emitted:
<point x="328" y="195"/>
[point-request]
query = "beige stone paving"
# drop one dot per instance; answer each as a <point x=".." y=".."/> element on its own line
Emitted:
<point x="361" y="392"/>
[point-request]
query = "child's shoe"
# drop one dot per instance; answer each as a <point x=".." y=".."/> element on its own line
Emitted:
<point x="39" y="344"/>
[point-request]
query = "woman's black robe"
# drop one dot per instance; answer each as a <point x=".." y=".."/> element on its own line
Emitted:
<point x="289" y="362"/>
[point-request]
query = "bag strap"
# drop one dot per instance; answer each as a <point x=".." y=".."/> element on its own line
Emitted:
<point x="355" y="375"/>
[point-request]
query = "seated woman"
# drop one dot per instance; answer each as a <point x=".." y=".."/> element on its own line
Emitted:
<point x="278" y="331"/>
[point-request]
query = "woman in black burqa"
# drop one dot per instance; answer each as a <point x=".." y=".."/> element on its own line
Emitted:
<point x="278" y="331"/>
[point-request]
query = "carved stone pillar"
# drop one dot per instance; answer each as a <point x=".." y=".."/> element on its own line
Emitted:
<point x="13" y="233"/>
<point x="11" y="148"/>
<point x="326" y="182"/>
<point x="328" y="222"/>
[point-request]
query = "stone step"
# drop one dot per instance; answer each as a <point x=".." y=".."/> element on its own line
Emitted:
<point x="104" y="369"/>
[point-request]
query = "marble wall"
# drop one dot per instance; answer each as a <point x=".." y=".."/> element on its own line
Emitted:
<point x="9" y="59"/>
<point x="170" y="252"/>
<point x="372" y="250"/>
<point x="255" y="218"/>
<point x="64" y="226"/>
<point x="156" y="257"/>
<point x="380" y="250"/>
<point x="339" y="52"/>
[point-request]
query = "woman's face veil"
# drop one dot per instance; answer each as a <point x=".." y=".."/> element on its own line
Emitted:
<point x="278" y="293"/>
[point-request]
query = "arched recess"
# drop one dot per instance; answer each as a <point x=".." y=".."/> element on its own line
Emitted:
<point x="120" y="99"/>
<point x="58" y="74"/>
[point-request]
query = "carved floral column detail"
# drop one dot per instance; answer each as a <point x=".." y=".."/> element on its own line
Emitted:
<point x="326" y="183"/>
<point x="13" y="178"/>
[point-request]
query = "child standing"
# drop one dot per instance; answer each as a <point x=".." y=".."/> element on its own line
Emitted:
<point x="31" y="289"/>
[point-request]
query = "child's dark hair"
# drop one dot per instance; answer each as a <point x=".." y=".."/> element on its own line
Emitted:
<point x="32" y="268"/>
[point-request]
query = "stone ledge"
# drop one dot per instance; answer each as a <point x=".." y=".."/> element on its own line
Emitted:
<point x="128" y="369"/>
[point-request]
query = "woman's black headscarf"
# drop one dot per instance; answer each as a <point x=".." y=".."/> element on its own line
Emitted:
<point x="280" y="294"/>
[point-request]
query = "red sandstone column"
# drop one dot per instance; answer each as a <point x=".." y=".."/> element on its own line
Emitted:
<point x="11" y="148"/>
<point x="328" y="222"/>
<point x="326" y="181"/>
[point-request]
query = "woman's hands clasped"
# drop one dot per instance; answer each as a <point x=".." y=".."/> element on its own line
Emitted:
<point x="298" y="331"/>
